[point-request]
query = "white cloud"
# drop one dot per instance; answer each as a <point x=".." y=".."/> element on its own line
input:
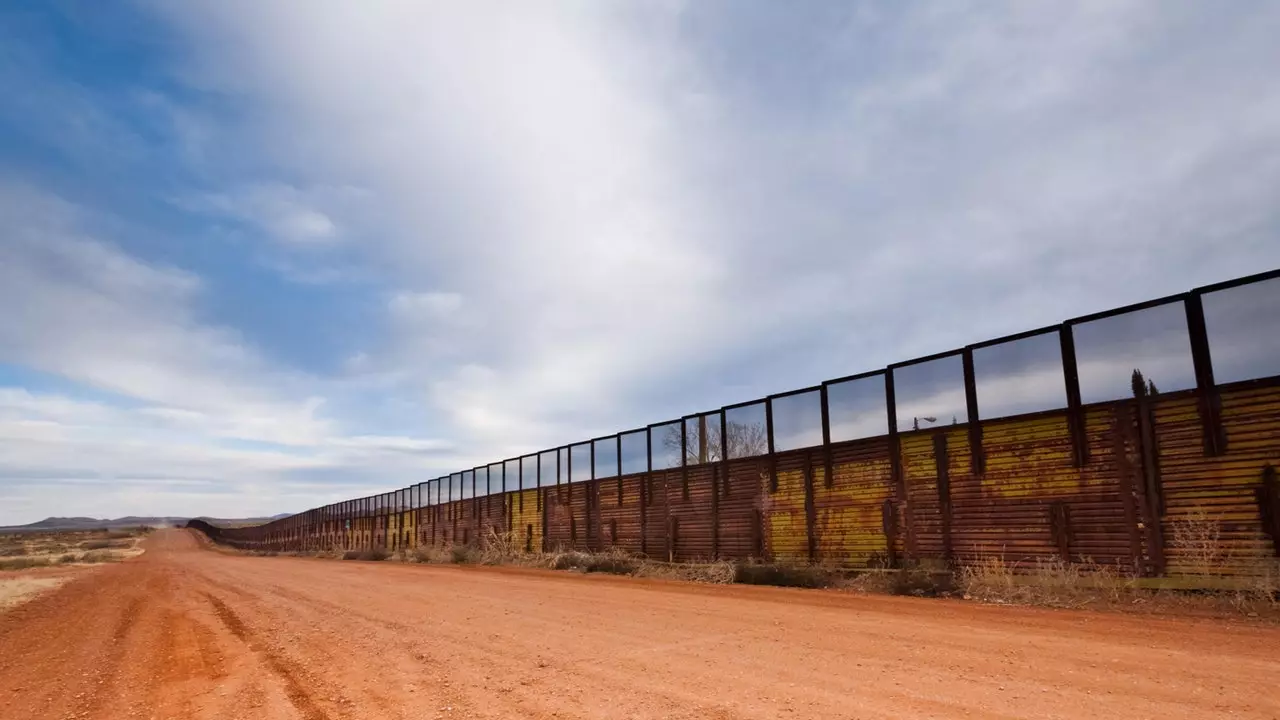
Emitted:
<point x="185" y="395"/>
<point x="98" y="316"/>
<point x="414" y="306"/>
<point x="624" y="213"/>
<point x="283" y="212"/>
<point x="641" y="219"/>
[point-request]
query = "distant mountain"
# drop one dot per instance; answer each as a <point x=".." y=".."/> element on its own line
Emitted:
<point x="88" y="523"/>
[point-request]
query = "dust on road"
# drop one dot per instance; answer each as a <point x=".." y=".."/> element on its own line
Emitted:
<point x="185" y="632"/>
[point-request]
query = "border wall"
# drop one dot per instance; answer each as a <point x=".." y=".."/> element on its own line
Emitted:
<point x="1042" y="445"/>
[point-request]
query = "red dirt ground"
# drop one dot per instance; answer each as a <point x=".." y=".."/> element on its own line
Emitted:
<point x="186" y="632"/>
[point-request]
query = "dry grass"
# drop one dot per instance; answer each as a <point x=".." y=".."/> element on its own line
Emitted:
<point x="42" y="549"/>
<point x="372" y="555"/>
<point x="785" y="574"/>
<point x="1197" y="539"/>
<point x="501" y="548"/>
<point x="1047" y="582"/>
<point x="1056" y="583"/>
<point x="24" y="563"/>
<point x="17" y="590"/>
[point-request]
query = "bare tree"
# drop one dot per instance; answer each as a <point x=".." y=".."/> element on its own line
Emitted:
<point x="703" y="442"/>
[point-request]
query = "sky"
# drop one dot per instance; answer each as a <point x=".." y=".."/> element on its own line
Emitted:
<point x="258" y="257"/>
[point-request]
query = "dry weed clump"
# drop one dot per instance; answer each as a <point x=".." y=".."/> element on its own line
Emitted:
<point x="371" y="555"/>
<point x="1048" y="582"/>
<point x="1196" y="538"/>
<point x="23" y="563"/>
<point x="783" y="574"/>
<point x="720" y="572"/>
<point x="98" y="556"/>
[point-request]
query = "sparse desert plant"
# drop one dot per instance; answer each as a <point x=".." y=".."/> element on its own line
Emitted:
<point x="68" y="558"/>
<point x="95" y="544"/>
<point x="720" y="572"/>
<point x="918" y="581"/>
<point x="1196" y="537"/>
<point x="1049" y="582"/>
<point x="463" y="554"/>
<point x="23" y="563"/>
<point x="372" y="554"/>
<point x="784" y="574"/>
<point x="498" y="548"/>
<point x="98" y="556"/>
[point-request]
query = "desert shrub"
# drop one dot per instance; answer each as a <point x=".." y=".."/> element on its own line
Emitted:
<point x="431" y="554"/>
<point x="375" y="554"/>
<point x="13" y="550"/>
<point x="98" y="556"/>
<point x="783" y="575"/>
<point x="1197" y="539"/>
<point x="719" y="573"/>
<point x="499" y="548"/>
<point x="1050" y="582"/>
<point x="568" y="560"/>
<point x="23" y="563"/>
<point x="68" y="558"/>
<point x="464" y="554"/>
<point x="613" y="563"/>
<point x="919" y="581"/>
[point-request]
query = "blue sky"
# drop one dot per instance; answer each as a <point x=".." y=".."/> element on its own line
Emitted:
<point x="257" y="257"/>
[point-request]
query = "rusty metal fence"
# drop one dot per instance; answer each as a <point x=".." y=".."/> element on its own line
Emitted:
<point x="1144" y="437"/>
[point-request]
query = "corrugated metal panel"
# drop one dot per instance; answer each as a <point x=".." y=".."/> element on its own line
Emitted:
<point x="784" y="509"/>
<point x="1028" y="469"/>
<point x="620" y="516"/>
<point x="663" y="486"/>
<point x="1211" y="523"/>
<point x="525" y="523"/>
<point x="921" y="476"/>
<point x="561" y="525"/>
<point x="849" y="521"/>
<point x="693" y="516"/>
<point x="740" y="507"/>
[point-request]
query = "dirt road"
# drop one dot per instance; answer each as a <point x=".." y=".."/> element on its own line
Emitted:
<point x="186" y="632"/>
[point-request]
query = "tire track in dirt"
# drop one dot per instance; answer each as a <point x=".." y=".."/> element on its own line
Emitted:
<point x="106" y="671"/>
<point x="389" y="658"/>
<point x="292" y="677"/>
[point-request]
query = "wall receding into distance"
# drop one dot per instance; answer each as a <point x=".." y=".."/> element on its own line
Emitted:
<point x="1041" y="445"/>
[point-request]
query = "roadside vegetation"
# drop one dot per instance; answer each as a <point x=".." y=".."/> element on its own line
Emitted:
<point x="1202" y="585"/>
<point x="21" y="551"/>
